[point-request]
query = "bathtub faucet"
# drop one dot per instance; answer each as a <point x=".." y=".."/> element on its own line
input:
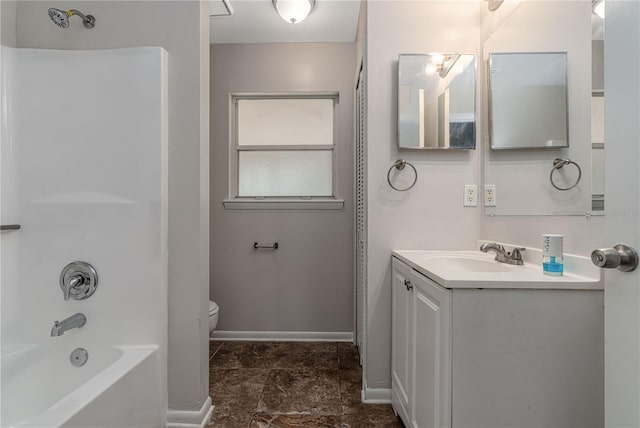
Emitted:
<point x="74" y="321"/>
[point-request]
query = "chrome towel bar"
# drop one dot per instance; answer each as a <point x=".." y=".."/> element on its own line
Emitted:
<point x="10" y="227"/>
<point x="257" y="246"/>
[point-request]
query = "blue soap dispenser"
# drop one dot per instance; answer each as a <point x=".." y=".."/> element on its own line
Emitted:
<point x="552" y="263"/>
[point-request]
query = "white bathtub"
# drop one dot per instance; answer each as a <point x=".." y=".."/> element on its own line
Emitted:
<point x="117" y="387"/>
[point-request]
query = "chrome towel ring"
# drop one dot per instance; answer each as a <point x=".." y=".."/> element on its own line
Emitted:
<point x="399" y="165"/>
<point x="558" y="164"/>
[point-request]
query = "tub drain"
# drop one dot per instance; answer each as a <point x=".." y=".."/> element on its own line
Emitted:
<point x="79" y="357"/>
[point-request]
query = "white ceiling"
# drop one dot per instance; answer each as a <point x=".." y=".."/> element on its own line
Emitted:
<point x="256" y="21"/>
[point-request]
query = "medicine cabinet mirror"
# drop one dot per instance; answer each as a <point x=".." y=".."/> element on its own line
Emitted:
<point x="528" y="100"/>
<point x="436" y="101"/>
<point x="543" y="146"/>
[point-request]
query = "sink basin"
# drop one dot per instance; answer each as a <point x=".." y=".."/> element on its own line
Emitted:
<point x="475" y="269"/>
<point x="469" y="264"/>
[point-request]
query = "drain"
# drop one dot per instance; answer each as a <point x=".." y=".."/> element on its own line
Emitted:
<point x="79" y="357"/>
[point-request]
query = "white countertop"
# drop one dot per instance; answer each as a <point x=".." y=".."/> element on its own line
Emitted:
<point x="475" y="269"/>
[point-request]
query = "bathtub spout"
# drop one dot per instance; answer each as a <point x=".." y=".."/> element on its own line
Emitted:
<point x="74" y="321"/>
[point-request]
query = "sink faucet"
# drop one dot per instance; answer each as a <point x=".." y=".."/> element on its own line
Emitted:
<point x="502" y="256"/>
<point x="74" y="321"/>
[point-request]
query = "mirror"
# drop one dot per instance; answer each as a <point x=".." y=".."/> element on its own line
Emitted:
<point x="523" y="180"/>
<point x="528" y="100"/>
<point x="436" y="101"/>
<point x="597" y="114"/>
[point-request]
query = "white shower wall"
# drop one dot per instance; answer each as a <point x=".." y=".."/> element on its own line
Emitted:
<point x="84" y="167"/>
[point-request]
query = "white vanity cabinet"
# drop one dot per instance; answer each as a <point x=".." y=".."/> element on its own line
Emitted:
<point x="420" y="358"/>
<point x="491" y="357"/>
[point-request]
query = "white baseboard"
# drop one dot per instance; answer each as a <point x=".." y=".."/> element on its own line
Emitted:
<point x="190" y="419"/>
<point x="376" y="395"/>
<point x="283" y="336"/>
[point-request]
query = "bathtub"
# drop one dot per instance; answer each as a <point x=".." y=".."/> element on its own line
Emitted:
<point x="117" y="387"/>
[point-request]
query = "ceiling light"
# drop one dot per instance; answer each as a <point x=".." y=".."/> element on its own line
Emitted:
<point x="431" y="69"/>
<point x="220" y="8"/>
<point x="437" y="58"/>
<point x="494" y="4"/>
<point x="448" y="65"/>
<point x="598" y="8"/>
<point x="294" y="11"/>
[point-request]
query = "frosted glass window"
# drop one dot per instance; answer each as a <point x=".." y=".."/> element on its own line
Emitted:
<point x="285" y="173"/>
<point x="300" y="121"/>
<point x="284" y="145"/>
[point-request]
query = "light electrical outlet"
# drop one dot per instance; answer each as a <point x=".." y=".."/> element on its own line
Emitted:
<point x="490" y="195"/>
<point x="470" y="195"/>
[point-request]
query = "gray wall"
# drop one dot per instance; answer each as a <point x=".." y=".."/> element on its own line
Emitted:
<point x="307" y="284"/>
<point x="182" y="28"/>
<point x="8" y="22"/>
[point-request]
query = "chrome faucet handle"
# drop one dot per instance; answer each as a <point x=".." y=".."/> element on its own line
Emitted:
<point x="78" y="281"/>
<point x="515" y="257"/>
<point x="516" y="253"/>
<point x="73" y="282"/>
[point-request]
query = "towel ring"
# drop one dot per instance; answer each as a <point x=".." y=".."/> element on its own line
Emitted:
<point x="558" y="164"/>
<point x="399" y="165"/>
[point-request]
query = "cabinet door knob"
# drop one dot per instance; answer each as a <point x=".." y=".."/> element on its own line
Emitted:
<point x="407" y="284"/>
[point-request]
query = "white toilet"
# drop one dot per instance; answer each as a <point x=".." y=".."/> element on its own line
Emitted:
<point x="213" y="316"/>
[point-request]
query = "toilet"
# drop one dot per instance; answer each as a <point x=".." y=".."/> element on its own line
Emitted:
<point x="213" y="316"/>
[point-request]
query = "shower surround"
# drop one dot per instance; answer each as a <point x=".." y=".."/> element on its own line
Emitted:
<point x="84" y="172"/>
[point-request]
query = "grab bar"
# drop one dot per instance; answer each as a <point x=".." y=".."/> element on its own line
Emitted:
<point x="257" y="246"/>
<point x="9" y="227"/>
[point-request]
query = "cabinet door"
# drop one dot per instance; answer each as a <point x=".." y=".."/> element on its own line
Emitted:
<point x="431" y="354"/>
<point x="401" y="326"/>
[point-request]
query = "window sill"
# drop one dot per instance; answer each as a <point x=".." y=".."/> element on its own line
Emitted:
<point x="283" y="204"/>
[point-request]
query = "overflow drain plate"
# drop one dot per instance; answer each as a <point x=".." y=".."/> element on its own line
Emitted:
<point x="79" y="357"/>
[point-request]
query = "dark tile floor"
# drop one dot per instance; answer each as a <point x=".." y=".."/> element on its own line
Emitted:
<point x="290" y="384"/>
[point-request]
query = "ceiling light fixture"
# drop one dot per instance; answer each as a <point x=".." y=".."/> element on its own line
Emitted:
<point x="294" y="11"/>
<point x="431" y="69"/>
<point x="440" y="63"/>
<point x="448" y="65"/>
<point x="494" y="4"/>
<point x="598" y="8"/>
<point x="220" y="8"/>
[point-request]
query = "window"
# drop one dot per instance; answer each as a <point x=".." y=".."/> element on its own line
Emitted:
<point x="283" y="148"/>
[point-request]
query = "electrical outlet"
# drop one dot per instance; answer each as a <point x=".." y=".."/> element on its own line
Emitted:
<point x="470" y="195"/>
<point x="490" y="195"/>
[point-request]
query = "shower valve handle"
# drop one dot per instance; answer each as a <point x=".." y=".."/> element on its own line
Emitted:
<point x="78" y="281"/>
<point x="75" y="282"/>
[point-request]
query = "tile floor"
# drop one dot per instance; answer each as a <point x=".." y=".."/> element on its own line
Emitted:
<point x="290" y="384"/>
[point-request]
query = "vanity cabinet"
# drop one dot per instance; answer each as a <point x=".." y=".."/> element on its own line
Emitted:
<point x="492" y="357"/>
<point x="420" y="356"/>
